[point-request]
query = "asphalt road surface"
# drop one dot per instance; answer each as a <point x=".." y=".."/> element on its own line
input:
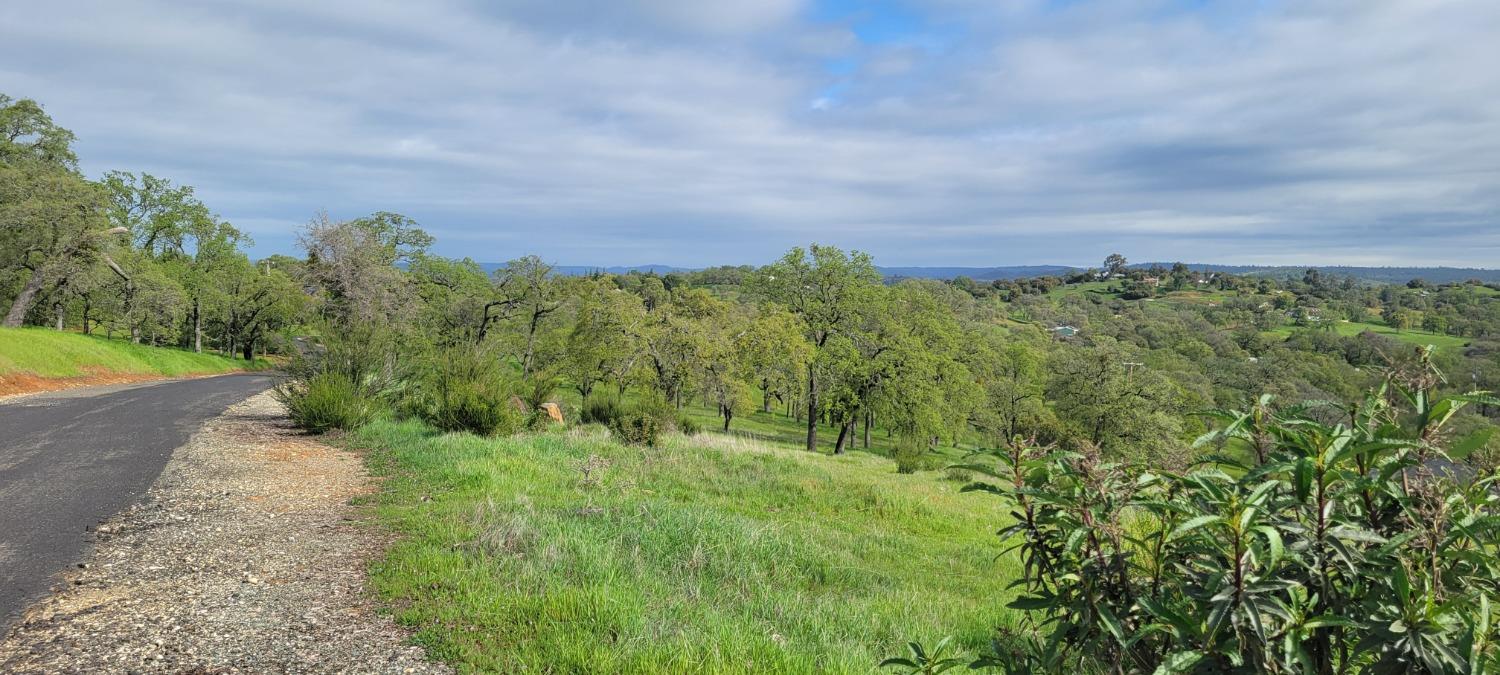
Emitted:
<point x="71" y="459"/>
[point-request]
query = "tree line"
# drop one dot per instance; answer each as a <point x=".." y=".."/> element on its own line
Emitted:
<point x="129" y="254"/>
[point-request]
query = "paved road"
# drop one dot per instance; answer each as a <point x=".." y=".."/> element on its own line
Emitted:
<point x="71" y="459"/>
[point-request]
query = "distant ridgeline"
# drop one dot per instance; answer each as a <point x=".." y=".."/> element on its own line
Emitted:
<point x="1385" y="275"/>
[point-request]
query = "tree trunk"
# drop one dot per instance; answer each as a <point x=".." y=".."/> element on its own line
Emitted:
<point x="765" y="399"/>
<point x="22" y="304"/>
<point x="531" y="346"/>
<point x="135" y="331"/>
<point x="728" y="415"/>
<point x="812" y="409"/>
<point x="844" y="428"/>
<point x="867" y="429"/>
<point x="197" y="325"/>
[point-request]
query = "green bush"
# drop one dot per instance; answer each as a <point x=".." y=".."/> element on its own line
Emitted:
<point x="468" y="389"/>
<point x="599" y="409"/>
<point x="326" y="401"/>
<point x="664" y="412"/>
<point x="911" y="455"/>
<point x="478" y="409"/>
<point x="1348" y="547"/>
<point x="687" y="426"/>
<point x="637" y="427"/>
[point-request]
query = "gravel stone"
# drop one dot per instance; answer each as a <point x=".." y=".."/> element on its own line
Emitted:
<point x="246" y="556"/>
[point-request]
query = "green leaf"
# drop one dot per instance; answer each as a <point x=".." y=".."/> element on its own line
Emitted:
<point x="1351" y="533"/>
<point x="1192" y="524"/>
<point x="1274" y="542"/>
<point x="1111" y="623"/>
<point x="1179" y="662"/>
<point x="1327" y="621"/>
<point x="1470" y="443"/>
<point x="1032" y="602"/>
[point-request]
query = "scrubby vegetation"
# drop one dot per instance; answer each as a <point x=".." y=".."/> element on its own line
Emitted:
<point x="1356" y="545"/>
<point x="767" y="473"/>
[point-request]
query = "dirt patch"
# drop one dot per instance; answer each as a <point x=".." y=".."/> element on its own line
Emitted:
<point x="246" y="557"/>
<point x="20" y="384"/>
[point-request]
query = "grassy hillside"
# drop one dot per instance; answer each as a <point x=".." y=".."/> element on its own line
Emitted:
<point x="566" y="552"/>
<point x="51" y="354"/>
<point x="1415" y="337"/>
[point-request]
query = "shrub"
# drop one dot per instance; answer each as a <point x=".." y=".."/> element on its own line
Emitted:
<point x="958" y="475"/>
<point x="911" y="455"/>
<point x="599" y="409"/>
<point x="663" y="412"/>
<point x="1342" y="547"/>
<point x="467" y="389"/>
<point x="326" y="401"/>
<point x="478" y="409"/>
<point x="637" y="427"/>
<point x="687" y="426"/>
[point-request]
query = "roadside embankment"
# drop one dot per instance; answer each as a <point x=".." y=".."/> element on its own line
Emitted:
<point x="37" y="359"/>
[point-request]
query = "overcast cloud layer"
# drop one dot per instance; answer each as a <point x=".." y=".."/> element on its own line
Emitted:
<point x="931" y="132"/>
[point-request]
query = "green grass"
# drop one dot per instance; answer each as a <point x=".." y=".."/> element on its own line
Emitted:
<point x="52" y="354"/>
<point x="775" y="427"/>
<point x="566" y="552"/>
<point x="1410" y="336"/>
<point x="778" y="427"/>
<point x="1099" y="287"/>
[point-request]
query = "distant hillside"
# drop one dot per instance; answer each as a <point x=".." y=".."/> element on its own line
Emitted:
<point x="1388" y="275"/>
<point x="581" y="270"/>
<point x="976" y="273"/>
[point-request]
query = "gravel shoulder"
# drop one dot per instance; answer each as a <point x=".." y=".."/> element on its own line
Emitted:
<point x="245" y="557"/>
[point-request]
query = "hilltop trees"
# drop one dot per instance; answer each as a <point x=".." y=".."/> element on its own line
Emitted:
<point x="825" y="288"/>
<point x="133" y="254"/>
<point x="1114" y="265"/>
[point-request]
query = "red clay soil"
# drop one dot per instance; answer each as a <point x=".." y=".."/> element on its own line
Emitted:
<point x="17" y="384"/>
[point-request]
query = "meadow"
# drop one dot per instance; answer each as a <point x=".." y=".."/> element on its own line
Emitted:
<point x="1415" y="337"/>
<point x="565" y="551"/>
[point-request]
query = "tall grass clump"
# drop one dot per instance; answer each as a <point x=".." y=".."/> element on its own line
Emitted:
<point x="644" y="422"/>
<point x="599" y="409"/>
<point x="325" y="402"/>
<point x="911" y="454"/>
<point x="343" y="380"/>
<point x="466" y="388"/>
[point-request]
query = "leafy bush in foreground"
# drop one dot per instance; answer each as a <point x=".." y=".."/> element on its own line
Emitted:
<point x="325" y="402"/>
<point x="1350" y="547"/>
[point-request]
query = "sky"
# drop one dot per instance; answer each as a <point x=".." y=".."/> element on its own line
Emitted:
<point x="694" y="133"/>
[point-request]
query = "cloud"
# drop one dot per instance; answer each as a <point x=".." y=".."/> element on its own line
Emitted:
<point x="701" y="133"/>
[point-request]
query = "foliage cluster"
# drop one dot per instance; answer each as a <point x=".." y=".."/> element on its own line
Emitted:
<point x="1353" y="545"/>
